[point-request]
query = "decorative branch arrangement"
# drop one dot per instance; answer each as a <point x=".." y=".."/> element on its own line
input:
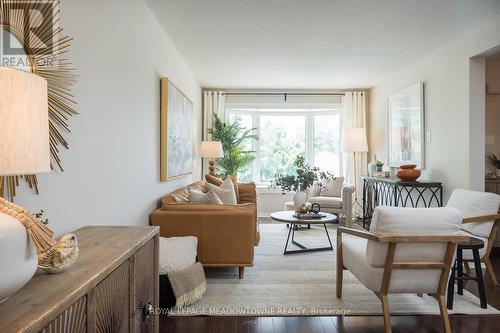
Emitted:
<point x="306" y="176"/>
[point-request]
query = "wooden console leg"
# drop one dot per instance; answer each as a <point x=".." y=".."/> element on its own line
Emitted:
<point x="242" y="271"/>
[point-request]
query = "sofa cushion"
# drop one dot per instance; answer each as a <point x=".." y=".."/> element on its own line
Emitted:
<point x="411" y="221"/>
<point x="327" y="202"/>
<point x="225" y="191"/>
<point x="333" y="187"/>
<point x="472" y="204"/>
<point x="209" y="198"/>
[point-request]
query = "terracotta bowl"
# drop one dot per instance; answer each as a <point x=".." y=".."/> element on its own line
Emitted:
<point x="408" y="173"/>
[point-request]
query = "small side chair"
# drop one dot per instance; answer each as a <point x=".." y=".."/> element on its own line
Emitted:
<point x="480" y="219"/>
<point x="406" y="251"/>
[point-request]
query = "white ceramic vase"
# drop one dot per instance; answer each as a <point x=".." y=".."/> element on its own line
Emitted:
<point x="18" y="260"/>
<point x="299" y="198"/>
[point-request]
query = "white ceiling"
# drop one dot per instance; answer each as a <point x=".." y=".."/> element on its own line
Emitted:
<point x="311" y="43"/>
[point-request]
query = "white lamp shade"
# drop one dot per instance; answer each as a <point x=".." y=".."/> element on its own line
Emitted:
<point x="211" y="149"/>
<point x="354" y="140"/>
<point x="24" y="123"/>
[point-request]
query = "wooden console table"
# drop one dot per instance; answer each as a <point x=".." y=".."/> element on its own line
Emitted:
<point x="393" y="192"/>
<point x="113" y="287"/>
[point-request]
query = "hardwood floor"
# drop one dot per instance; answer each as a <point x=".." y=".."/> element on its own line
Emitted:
<point x="351" y="324"/>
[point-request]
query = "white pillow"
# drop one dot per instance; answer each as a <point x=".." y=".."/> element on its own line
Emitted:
<point x="210" y="197"/>
<point x="313" y="191"/>
<point x="333" y="187"/>
<point x="225" y="191"/>
<point x="177" y="253"/>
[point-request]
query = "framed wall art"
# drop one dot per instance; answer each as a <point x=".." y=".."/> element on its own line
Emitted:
<point x="176" y="132"/>
<point x="406" y="126"/>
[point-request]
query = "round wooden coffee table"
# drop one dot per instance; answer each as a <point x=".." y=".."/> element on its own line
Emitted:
<point x="287" y="217"/>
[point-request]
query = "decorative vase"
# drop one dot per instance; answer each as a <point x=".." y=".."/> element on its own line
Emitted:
<point x="408" y="173"/>
<point x="18" y="257"/>
<point x="379" y="168"/>
<point x="299" y="199"/>
<point x="372" y="166"/>
<point x="498" y="173"/>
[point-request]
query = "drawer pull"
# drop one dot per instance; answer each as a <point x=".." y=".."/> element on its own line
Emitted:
<point x="148" y="310"/>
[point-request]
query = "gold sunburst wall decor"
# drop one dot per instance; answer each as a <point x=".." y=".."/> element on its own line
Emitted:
<point x="35" y="26"/>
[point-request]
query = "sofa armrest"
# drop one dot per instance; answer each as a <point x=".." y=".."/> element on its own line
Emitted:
<point x="225" y="237"/>
<point x="347" y="191"/>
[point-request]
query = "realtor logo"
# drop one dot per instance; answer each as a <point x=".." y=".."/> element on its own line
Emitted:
<point x="28" y="28"/>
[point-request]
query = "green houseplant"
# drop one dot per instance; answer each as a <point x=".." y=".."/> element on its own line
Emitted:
<point x="494" y="161"/>
<point x="235" y="140"/>
<point x="305" y="176"/>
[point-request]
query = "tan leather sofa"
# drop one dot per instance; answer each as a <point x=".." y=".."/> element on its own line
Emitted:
<point x="226" y="234"/>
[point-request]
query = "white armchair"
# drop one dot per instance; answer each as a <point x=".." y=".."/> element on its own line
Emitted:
<point x="406" y="251"/>
<point x="335" y="197"/>
<point x="479" y="213"/>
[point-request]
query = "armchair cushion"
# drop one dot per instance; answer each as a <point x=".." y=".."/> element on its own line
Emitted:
<point x="472" y="204"/>
<point x="408" y="221"/>
<point x="333" y="187"/>
<point x="327" y="202"/>
<point x="402" y="280"/>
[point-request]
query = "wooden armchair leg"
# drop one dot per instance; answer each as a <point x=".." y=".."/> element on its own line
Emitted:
<point x="444" y="313"/>
<point x="340" y="267"/>
<point x="490" y="270"/>
<point x="387" y="315"/>
<point x="241" y="272"/>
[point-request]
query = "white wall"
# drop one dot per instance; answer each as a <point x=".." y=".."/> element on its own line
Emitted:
<point x="493" y="105"/>
<point x="112" y="169"/>
<point x="445" y="74"/>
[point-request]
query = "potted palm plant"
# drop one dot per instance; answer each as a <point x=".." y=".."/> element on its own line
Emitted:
<point x="234" y="139"/>
<point x="306" y="176"/>
<point x="494" y="162"/>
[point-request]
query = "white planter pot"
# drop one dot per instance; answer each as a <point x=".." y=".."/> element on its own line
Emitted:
<point x="18" y="259"/>
<point x="299" y="198"/>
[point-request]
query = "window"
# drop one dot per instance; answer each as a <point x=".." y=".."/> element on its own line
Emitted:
<point x="286" y="133"/>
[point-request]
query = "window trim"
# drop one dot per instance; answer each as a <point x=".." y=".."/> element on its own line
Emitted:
<point x="309" y="130"/>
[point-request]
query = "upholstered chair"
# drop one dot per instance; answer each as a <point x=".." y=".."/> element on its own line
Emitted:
<point x="406" y="251"/>
<point x="335" y="197"/>
<point x="479" y="213"/>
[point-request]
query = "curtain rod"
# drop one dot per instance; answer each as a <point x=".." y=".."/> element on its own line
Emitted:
<point x="282" y="94"/>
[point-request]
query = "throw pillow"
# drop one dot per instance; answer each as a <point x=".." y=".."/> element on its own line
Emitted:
<point x="225" y="191"/>
<point x="313" y="191"/>
<point x="218" y="182"/>
<point x="333" y="187"/>
<point x="210" y="197"/>
<point x="177" y="253"/>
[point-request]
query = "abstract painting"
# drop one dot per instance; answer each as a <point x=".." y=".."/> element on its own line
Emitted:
<point x="176" y="132"/>
<point x="406" y="126"/>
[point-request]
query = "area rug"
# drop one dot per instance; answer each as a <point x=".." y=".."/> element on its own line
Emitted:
<point x="304" y="284"/>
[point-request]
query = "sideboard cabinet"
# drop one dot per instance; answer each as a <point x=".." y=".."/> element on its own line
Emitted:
<point x="113" y="287"/>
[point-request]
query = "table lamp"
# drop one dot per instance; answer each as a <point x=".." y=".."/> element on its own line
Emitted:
<point x="211" y="150"/>
<point x="24" y="150"/>
<point x="354" y="141"/>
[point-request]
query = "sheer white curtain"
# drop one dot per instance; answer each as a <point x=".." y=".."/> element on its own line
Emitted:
<point x="354" y="115"/>
<point x="213" y="102"/>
